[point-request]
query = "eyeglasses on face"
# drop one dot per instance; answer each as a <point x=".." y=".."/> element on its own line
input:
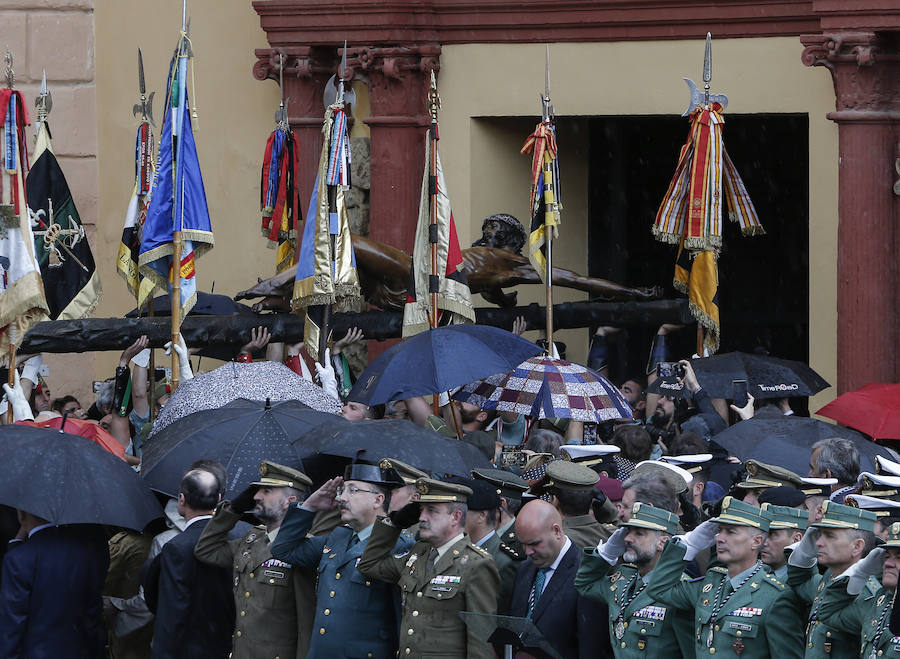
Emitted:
<point x="352" y="490"/>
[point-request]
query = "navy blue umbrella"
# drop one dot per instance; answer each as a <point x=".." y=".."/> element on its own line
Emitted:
<point x="67" y="479"/>
<point x="786" y="441"/>
<point x="439" y="360"/>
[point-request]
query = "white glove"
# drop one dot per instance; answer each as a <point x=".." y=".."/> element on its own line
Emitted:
<point x="326" y="376"/>
<point x="32" y="367"/>
<point x="804" y="552"/>
<point x="16" y="397"/>
<point x="142" y="359"/>
<point x="611" y="550"/>
<point x="860" y="571"/>
<point x="699" y="539"/>
<point x="184" y="359"/>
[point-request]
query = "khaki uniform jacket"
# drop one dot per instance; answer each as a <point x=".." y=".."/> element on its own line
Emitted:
<point x="866" y="616"/>
<point x="463" y="579"/>
<point x="585" y="531"/>
<point x="651" y="628"/>
<point x="757" y="621"/>
<point x="275" y="602"/>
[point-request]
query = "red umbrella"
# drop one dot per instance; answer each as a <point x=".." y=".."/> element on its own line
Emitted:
<point x="874" y="409"/>
<point x="82" y="428"/>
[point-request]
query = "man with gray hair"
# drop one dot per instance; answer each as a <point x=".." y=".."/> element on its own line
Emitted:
<point x="835" y="457"/>
<point x="649" y="489"/>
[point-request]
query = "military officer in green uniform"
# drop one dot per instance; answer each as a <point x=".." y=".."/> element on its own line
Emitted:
<point x="841" y="538"/>
<point x="273" y="600"/>
<point x="738" y="610"/>
<point x="856" y="604"/>
<point x="786" y="527"/>
<point x="443" y="575"/>
<point x="638" y="625"/>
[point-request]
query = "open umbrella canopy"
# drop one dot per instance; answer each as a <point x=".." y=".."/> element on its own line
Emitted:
<point x="542" y="387"/>
<point x="254" y="381"/>
<point x="786" y="441"/>
<point x="874" y="409"/>
<point x="440" y="360"/>
<point x="67" y="479"/>
<point x="83" y="428"/>
<point x="240" y="436"/>
<point x="370" y="441"/>
<point x="767" y="377"/>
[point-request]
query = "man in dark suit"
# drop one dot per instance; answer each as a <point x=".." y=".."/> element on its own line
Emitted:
<point x="545" y="587"/>
<point x="50" y="602"/>
<point x="192" y="601"/>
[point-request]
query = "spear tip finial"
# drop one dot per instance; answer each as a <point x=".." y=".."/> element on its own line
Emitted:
<point x="10" y="74"/>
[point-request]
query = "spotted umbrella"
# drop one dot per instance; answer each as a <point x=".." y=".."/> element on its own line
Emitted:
<point x="255" y="381"/>
<point x="543" y="387"/>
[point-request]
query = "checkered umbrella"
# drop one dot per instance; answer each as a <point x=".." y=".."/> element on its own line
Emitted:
<point x="542" y="387"/>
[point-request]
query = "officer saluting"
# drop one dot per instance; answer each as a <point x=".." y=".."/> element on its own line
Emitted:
<point x="738" y="610"/>
<point x="441" y="576"/>
<point x="638" y="625"/>
<point x="271" y="597"/>
<point x="355" y="616"/>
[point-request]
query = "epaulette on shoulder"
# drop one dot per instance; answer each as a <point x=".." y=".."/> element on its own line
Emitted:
<point x="772" y="580"/>
<point x="479" y="550"/>
<point x="719" y="569"/>
<point x="511" y="552"/>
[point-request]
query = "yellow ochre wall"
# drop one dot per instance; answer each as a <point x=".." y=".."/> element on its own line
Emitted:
<point x="485" y="173"/>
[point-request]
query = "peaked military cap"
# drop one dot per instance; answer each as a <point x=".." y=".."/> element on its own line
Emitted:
<point x="507" y="484"/>
<point x="738" y="513"/>
<point x="817" y="487"/>
<point x="273" y="474"/>
<point x="484" y="495"/>
<point x="839" y="516"/>
<point x="375" y="474"/>
<point x="587" y="455"/>
<point x="676" y="477"/>
<point x="878" y="485"/>
<point x="566" y="475"/>
<point x="761" y="476"/>
<point x="408" y="473"/>
<point x="785" y="495"/>
<point x="784" y="517"/>
<point x="879" y="505"/>
<point x="893" y="535"/>
<point x="645" y="516"/>
<point x="692" y="463"/>
<point x="885" y="466"/>
<point x="435" y="491"/>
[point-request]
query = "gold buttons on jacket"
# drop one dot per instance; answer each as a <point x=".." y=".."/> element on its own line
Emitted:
<point x="415" y="613"/>
<point x="252" y="575"/>
<point x="327" y="612"/>
<point x="331" y="594"/>
<point x="238" y="634"/>
<point x="322" y="631"/>
<point x="247" y="594"/>
<point x="337" y="575"/>
<point x="409" y="632"/>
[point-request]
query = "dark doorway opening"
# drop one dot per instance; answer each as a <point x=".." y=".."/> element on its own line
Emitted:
<point x="763" y="280"/>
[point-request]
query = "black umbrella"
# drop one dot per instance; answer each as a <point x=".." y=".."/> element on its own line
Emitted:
<point x="370" y="441"/>
<point x="240" y="435"/>
<point x="67" y="479"/>
<point x="207" y="304"/>
<point x="786" y="441"/>
<point x="767" y="377"/>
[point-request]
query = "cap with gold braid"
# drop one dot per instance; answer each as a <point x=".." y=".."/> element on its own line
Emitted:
<point x="893" y="533"/>
<point x="435" y="491"/>
<point x="407" y="472"/>
<point x="761" y="476"/>
<point x="885" y="466"/>
<point x="592" y="454"/>
<point x="566" y="475"/>
<point x="879" y="505"/>
<point x="645" y="516"/>
<point x="508" y="484"/>
<point x="817" y="487"/>
<point x="738" y="513"/>
<point x="878" y="485"/>
<point x="839" y="516"/>
<point x="692" y="464"/>
<point x="783" y="517"/>
<point x="273" y="474"/>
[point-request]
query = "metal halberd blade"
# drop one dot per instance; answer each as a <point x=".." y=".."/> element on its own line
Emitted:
<point x="704" y="98"/>
<point x="335" y="91"/>
<point x="44" y="101"/>
<point x="145" y="107"/>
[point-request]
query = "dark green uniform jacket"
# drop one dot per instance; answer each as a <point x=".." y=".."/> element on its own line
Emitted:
<point x="866" y="616"/>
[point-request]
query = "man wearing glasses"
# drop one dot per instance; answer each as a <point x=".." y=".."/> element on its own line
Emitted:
<point x="355" y="616"/>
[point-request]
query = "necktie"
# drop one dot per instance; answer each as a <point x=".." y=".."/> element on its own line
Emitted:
<point x="537" y="589"/>
<point x="432" y="557"/>
<point x="354" y="539"/>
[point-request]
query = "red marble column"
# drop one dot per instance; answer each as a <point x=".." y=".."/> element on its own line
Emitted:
<point x="866" y="75"/>
<point x="398" y="80"/>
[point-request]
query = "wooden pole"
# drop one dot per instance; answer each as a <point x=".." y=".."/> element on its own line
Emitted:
<point x="699" y="340"/>
<point x="152" y="366"/>
<point x="550" y="211"/>
<point x="176" y="305"/>
<point x="13" y="339"/>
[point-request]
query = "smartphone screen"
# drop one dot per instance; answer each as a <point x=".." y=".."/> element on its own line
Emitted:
<point x="739" y="392"/>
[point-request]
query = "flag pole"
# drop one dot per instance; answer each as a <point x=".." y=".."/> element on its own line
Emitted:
<point x="177" y="242"/>
<point x="13" y="340"/>
<point x="550" y="202"/>
<point x="434" y="104"/>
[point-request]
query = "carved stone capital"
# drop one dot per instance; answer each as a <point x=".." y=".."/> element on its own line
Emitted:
<point x="397" y="78"/>
<point x="299" y="62"/>
<point x="864" y="70"/>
